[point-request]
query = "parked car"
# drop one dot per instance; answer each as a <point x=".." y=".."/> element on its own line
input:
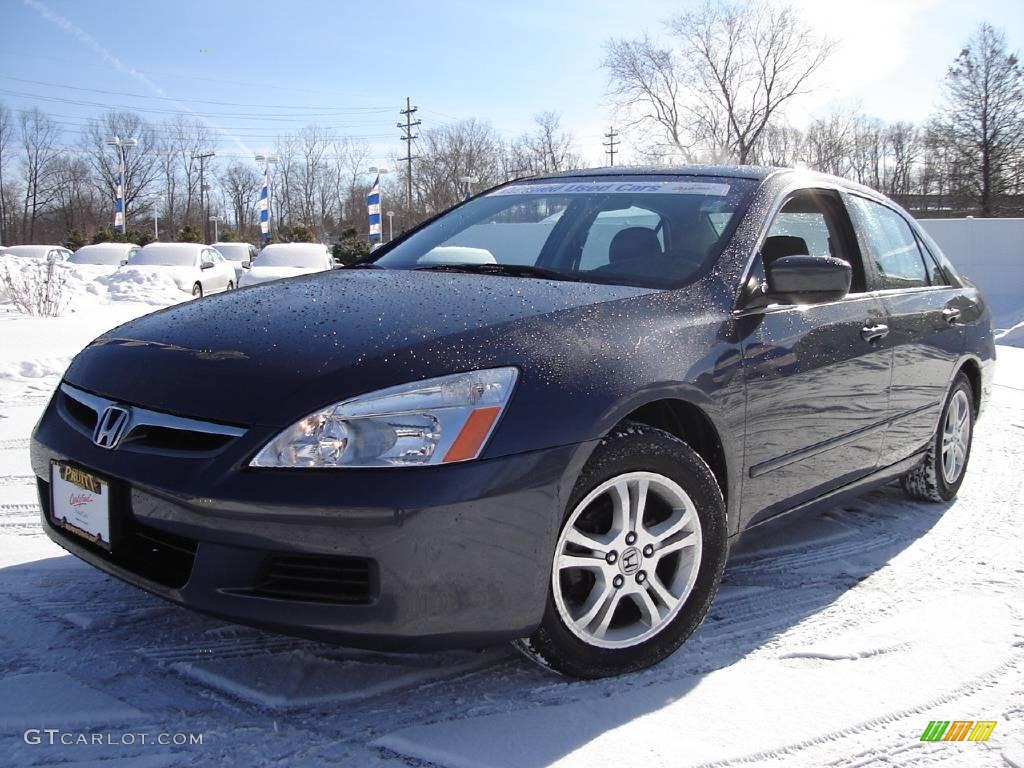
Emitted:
<point x="105" y="254"/>
<point x="197" y="269"/>
<point x="237" y="255"/>
<point x="39" y="252"/>
<point x="281" y="260"/>
<point x="555" y="446"/>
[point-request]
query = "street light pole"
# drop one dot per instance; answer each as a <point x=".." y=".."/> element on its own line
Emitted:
<point x="156" y="214"/>
<point x="202" y="157"/>
<point x="267" y="160"/>
<point x="122" y="173"/>
<point x="391" y="226"/>
<point x="216" y="232"/>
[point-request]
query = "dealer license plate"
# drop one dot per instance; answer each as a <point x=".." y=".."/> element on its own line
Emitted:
<point x="80" y="503"/>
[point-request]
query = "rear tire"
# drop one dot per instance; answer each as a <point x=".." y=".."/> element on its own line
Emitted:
<point x="939" y="476"/>
<point x="231" y="285"/>
<point x="197" y="291"/>
<point x="639" y="557"/>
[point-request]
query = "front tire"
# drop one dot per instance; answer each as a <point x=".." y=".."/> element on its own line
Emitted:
<point x="638" y="560"/>
<point x="939" y="476"/>
<point x="231" y="285"/>
<point x="197" y="291"/>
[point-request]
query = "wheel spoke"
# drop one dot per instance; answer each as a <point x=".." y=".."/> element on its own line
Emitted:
<point x="599" y="596"/>
<point x="683" y="542"/>
<point x="580" y="561"/>
<point x="586" y="541"/>
<point x="664" y="534"/>
<point x="620" y="508"/>
<point x="607" y="613"/>
<point x="649" y="611"/>
<point x="638" y="503"/>
<point x="667" y="598"/>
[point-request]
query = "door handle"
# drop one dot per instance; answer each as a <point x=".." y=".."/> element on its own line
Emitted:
<point x="952" y="315"/>
<point x="872" y="333"/>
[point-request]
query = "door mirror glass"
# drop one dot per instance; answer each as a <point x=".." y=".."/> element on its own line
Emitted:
<point x="803" y="279"/>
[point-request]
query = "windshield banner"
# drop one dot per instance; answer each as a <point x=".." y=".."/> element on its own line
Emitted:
<point x="616" y="187"/>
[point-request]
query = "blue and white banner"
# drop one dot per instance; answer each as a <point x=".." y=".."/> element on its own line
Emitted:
<point x="373" y="210"/>
<point x="119" y="198"/>
<point x="265" y="206"/>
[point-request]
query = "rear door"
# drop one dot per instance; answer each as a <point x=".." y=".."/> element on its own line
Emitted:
<point x="923" y="312"/>
<point x="817" y="376"/>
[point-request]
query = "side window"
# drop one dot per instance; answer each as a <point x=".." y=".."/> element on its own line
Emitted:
<point x="935" y="272"/>
<point x="207" y="257"/>
<point x="893" y="245"/>
<point x="622" y="234"/>
<point x="814" y="223"/>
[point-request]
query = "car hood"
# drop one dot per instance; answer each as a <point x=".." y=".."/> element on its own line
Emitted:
<point x="270" y="354"/>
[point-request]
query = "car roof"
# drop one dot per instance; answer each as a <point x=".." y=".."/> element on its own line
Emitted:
<point x="173" y="246"/>
<point x="107" y="247"/>
<point x="19" y="249"/>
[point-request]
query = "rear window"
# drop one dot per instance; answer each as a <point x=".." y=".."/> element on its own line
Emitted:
<point x="313" y="256"/>
<point x="165" y="257"/>
<point x="658" y="232"/>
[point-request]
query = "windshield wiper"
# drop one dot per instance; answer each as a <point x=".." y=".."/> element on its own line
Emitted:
<point x="510" y="270"/>
<point x="364" y="265"/>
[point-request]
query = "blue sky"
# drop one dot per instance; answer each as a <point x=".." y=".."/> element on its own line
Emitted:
<point x="351" y="64"/>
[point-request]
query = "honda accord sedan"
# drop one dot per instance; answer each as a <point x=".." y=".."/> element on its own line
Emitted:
<point x="543" y="416"/>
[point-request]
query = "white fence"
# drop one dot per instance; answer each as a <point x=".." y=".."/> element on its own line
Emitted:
<point x="991" y="253"/>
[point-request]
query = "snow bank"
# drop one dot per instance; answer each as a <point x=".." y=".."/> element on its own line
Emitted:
<point x="87" y="285"/>
<point x="1012" y="337"/>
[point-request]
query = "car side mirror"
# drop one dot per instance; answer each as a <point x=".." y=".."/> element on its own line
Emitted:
<point x="206" y="265"/>
<point x="124" y="262"/>
<point x="807" y="279"/>
<point x="246" y="265"/>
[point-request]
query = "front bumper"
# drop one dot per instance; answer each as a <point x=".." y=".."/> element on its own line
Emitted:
<point x="403" y="559"/>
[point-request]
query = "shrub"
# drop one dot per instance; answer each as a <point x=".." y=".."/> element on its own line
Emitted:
<point x="350" y="247"/>
<point x="37" y="288"/>
<point x="74" y="240"/>
<point x="189" y="234"/>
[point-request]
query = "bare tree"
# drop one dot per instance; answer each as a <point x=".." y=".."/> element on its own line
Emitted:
<point x="984" y="114"/>
<point x="733" y="70"/>
<point x="549" y="149"/>
<point x="38" y="140"/>
<point x="141" y="161"/>
<point x="450" y="152"/>
<point x="6" y="132"/>
<point x="241" y="184"/>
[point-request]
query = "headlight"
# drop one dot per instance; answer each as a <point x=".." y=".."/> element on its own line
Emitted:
<point x="436" y="421"/>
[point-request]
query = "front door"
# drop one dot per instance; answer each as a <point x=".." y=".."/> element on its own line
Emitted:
<point x="817" y="377"/>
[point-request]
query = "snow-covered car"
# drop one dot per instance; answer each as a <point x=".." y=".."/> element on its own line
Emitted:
<point x="287" y="260"/>
<point x="237" y="255"/>
<point x="39" y="252"/>
<point x="104" y="254"/>
<point x="198" y="269"/>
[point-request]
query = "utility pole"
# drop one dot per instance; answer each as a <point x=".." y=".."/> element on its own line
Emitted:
<point x="611" y="144"/>
<point x="407" y="137"/>
<point x="202" y="191"/>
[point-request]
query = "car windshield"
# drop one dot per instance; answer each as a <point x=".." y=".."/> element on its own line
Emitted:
<point x="99" y="254"/>
<point x="165" y="257"/>
<point x="312" y="256"/>
<point x="651" y="231"/>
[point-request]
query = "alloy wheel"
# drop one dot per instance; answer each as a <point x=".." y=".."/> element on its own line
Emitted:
<point x="956" y="436"/>
<point x="627" y="560"/>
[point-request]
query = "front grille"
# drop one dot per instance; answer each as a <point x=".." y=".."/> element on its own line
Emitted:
<point x="152" y="554"/>
<point x="147" y="431"/>
<point x="345" y="580"/>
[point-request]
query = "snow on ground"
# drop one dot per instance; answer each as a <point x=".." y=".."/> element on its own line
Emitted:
<point x="834" y="640"/>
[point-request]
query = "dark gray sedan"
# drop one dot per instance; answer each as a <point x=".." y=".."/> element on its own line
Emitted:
<point x="542" y="416"/>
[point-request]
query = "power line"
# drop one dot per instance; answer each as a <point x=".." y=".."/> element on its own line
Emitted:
<point x="191" y="101"/>
<point x="611" y="144"/>
<point x="407" y="137"/>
